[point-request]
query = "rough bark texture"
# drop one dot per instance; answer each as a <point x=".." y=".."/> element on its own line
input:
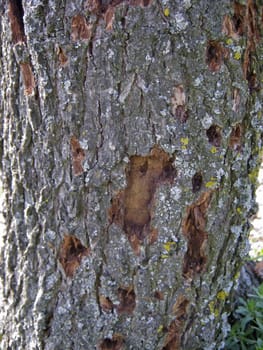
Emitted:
<point x="108" y="245"/>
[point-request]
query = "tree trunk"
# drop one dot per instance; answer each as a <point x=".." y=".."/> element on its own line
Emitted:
<point x="131" y="134"/>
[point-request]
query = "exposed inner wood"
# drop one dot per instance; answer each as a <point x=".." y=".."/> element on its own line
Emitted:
<point x="132" y="208"/>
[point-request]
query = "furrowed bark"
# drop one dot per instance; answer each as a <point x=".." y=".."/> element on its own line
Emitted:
<point x="106" y="244"/>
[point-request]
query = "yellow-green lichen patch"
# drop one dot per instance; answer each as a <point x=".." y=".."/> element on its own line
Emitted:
<point x="164" y="256"/>
<point x="212" y="183"/>
<point x="213" y="150"/>
<point x="160" y="329"/>
<point x="166" y="12"/>
<point x="213" y="309"/>
<point x="237" y="275"/>
<point x="168" y="245"/>
<point x="237" y="55"/>
<point x="184" y="142"/>
<point x="253" y="175"/>
<point x="222" y="295"/>
<point x="229" y="41"/>
<point x="239" y="211"/>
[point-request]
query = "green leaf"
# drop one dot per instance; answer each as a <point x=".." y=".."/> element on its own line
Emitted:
<point x="244" y="321"/>
<point x="260" y="290"/>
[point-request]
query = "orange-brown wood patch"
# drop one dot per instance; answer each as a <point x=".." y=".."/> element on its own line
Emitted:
<point x="193" y="227"/>
<point x="174" y="335"/>
<point x="70" y="254"/>
<point x="132" y="208"/>
<point x="114" y="343"/>
<point x="78" y="156"/>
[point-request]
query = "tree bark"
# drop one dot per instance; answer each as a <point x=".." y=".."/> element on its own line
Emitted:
<point x="131" y="135"/>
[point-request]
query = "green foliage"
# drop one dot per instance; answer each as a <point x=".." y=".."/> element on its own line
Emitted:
<point x="259" y="256"/>
<point x="247" y="332"/>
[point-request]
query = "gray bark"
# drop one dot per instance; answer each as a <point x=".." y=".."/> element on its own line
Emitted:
<point x="104" y="248"/>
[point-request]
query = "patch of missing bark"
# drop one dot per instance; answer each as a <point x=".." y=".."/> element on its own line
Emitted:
<point x="197" y="181"/>
<point x="106" y="9"/>
<point x="80" y="29"/>
<point x="234" y="26"/>
<point x="62" y="57"/>
<point x="106" y="304"/>
<point x="214" y="135"/>
<point x="158" y="295"/>
<point x="216" y="53"/>
<point x="236" y="100"/>
<point x="175" y="330"/>
<point x="245" y="22"/>
<point x="127" y="299"/>
<point x="70" y="254"/>
<point x="132" y="208"/>
<point x="78" y="156"/>
<point x="153" y="236"/>
<point x="235" y="140"/>
<point x="28" y="78"/>
<point x="16" y="13"/>
<point x="253" y="37"/>
<point x="193" y="228"/>
<point x="114" y="343"/>
<point x="178" y="104"/>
